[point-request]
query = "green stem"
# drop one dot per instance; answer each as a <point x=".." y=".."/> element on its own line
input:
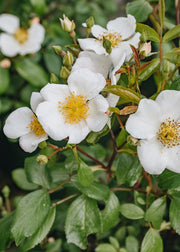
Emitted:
<point x="64" y="200"/>
<point x="59" y="186"/>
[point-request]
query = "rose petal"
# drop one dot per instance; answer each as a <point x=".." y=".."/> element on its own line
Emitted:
<point x="36" y="98"/>
<point x="92" y="45"/>
<point x="9" y="23"/>
<point x="30" y="141"/>
<point x="173" y="158"/>
<point x="78" y="132"/>
<point x="9" y="45"/>
<point x="86" y="83"/>
<point x="98" y="31"/>
<point x="17" y="123"/>
<point x="151" y="156"/>
<point x="55" y="92"/>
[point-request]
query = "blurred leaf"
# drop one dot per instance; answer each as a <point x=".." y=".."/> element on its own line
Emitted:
<point x="5" y="231"/>
<point x="136" y="8"/>
<point x="32" y="72"/>
<point x="131" y="211"/>
<point x="156" y="212"/>
<point x="110" y="214"/>
<point x="54" y="246"/>
<point x="132" y="244"/>
<point x="36" y="173"/>
<point x="26" y="93"/>
<point x="149" y="70"/>
<point x="128" y="169"/>
<point x="41" y="233"/>
<point x="173" y="56"/>
<point x="82" y="219"/>
<point x="172" y="34"/>
<point x="161" y="11"/>
<point x="5" y="105"/>
<point x="174" y="210"/>
<point x="85" y="175"/>
<point x="21" y="181"/>
<point x="152" y="242"/>
<point x="39" y="6"/>
<point x="4" y="79"/>
<point x="114" y="242"/>
<point x="105" y="247"/>
<point x="95" y="190"/>
<point x="52" y="62"/>
<point x="148" y="32"/>
<point x="123" y="92"/>
<point x="30" y="215"/>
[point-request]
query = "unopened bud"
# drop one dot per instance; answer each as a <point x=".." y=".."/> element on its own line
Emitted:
<point x="6" y="191"/>
<point x="165" y="225"/>
<point x="145" y="49"/>
<point x="5" y="63"/>
<point x="51" y="239"/>
<point x="107" y="45"/>
<point x="64" y="73"/>
<point x="128" y="110"/>
<point x="42" y="159"/>
<point x="57" y="49"/>
<point x="42" y="145"/>
<point x="90" y="22"/>
<point x="54" y="78"/>
<point x="36" y="20"/>
<point x="66" y="24"/>
<point x="1" y="201"/>
<point x="68" y="59"/>
<point x="144" y="36"/>
<point x="4" y="213"/>
<point x="132" y="140"/>
<point x="167" y="67"/>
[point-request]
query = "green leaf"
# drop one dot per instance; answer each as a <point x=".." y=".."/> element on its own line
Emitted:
<point x="128" y="169"/>
<point x="173" y="56"/>
<point x="132" y="244"/>
<point x="175" y="85"/>
<point x="95" y="190"/>
<point x="168" y="179"/>
<point x="131" y="211"/>
<point x="21" y="181"/>
<point x="172" y="34"/>
<point x="5" y="231"/>
<point x="30" y="215"/>
<point x="82" y="219"/>
<point x="85" y="174"/>
<point x="156" y="212"/>
<point x="95" y="136"/>
<point x="136" y="8"/>
<point x="174" y="210"/>
<point x="5" y="105"/>
<point x="152" y="242"/>
<point x="32" y="72"/>
<point x="41" y="233"/>
<point x="4" y="80"/>
<point x="39" y="6"/>
<point x="161" y="11"/>
<point x="36" y="173"/>
<point x="105" y="247"/>
<point x="123" y="92"/>
<point x="110" y="214"/>
<point x="97" y="151"/>
<point x="147" y="32"/>
<point x="52" y="62"/>
<point x="149" y="70"/>
<point x="114" y="242"/>
<point x="121" y="138"/>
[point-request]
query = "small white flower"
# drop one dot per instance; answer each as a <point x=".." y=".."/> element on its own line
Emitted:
<point x="17" y="40"/>
<point x="157" y="124"/>
<point x="23" y="124"/>
<point x="121" y="33"/>
<point x="75" y="109"/>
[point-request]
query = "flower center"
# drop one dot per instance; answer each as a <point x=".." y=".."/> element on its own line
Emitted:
<point x="21" y="35"/>
<point x="35" y="127"/>
<point x="74" y="109"/>
<point x="169" y="133"/>
<point x="115" y="38"/>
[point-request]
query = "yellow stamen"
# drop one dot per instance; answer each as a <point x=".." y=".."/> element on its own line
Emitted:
<point x="21" y="35"/>
<point x="169" y="133"/>
<point x="74" y="109"/>
<point x="35" y="127"/>
<point x="115" y="38"/>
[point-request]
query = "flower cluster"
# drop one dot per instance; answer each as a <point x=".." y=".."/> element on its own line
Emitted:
<point x="73" y="110"/>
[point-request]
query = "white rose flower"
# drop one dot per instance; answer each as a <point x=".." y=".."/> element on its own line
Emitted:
<point x="157" y="124"/>
<point x="75" y="109"/>
<point x="23" y="124"/>
<point x="17" y="40"/>
<point x="121" y="33"/>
